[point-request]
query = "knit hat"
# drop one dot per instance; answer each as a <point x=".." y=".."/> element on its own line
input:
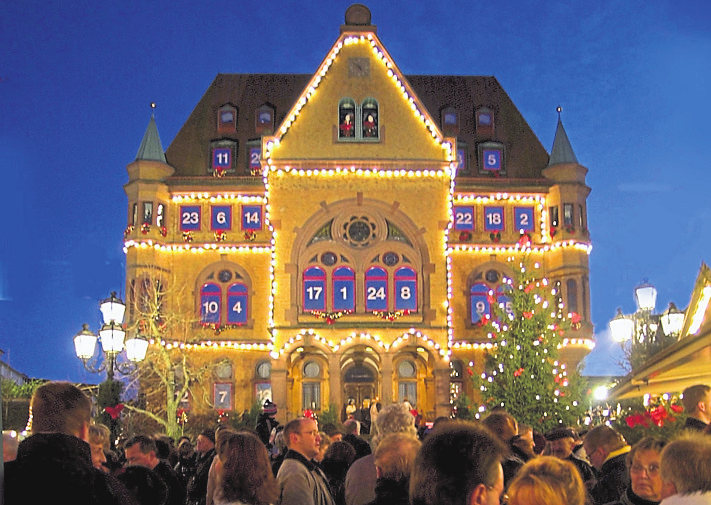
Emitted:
<point x="269" y="407"/>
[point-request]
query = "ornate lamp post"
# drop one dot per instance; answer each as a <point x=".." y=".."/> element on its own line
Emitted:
<point x="642" y="328"/>
<point x="111" y="337"/>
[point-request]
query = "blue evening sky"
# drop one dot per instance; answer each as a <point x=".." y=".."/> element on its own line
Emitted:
<point x="77" y="77"/>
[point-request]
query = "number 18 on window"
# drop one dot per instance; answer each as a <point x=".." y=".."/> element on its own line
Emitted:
<point x="493" y="218"/>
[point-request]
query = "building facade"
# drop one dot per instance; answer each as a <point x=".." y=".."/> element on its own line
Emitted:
<point x="340" y="235"/>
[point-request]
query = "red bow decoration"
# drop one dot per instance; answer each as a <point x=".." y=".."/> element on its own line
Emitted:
<point x="518" y="372"/>
<point x="524" y="240"/>
<point x="677" y="408"/>
<point x="528" y="315"/>
<point x="575" y="318"/>
<point x="114" y="412"/>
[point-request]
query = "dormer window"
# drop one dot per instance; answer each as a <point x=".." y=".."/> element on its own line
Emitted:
<point x="491" y="158"/>
<point x="358" y="122"/>
<point x="264" y="120"/>
<point x="484" y="121"/>
<point x="222" y="157"/>
<point x="227" y="119"/>
<point x="450" y="121"/>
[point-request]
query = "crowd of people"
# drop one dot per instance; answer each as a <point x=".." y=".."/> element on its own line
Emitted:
<point x="492" y="461"/>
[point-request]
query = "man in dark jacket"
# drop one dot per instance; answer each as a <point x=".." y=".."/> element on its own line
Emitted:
<point x="141" y="451"/>
<point x="197" y="487"/>
<point x="55" y="462"/>
<point x="697" y="404"/>
<point x="607" y="450"/>
<point x="561" y="442"/>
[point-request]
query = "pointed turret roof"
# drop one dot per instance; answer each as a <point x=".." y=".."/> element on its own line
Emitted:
<point x="562" y="151"/>
<point x="151" y="148"/>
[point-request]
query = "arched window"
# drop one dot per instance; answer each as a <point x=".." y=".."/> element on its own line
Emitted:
<point x="210" y="303"/>
<point x="347" y="119"/>
<point x="224" y="297"/>
<point x="237" y="300"/>
<point x="407" y="382"/>
<point x="343" y="289"/>
<point x="311" y="386"/>
<point x="369" y="119"/>
<point x="406" y="289"/>
<point x="376" y="289"/>
<point x="479" y="302"/>
<point x="572" y="288"/>
<point x="314" y="295"/>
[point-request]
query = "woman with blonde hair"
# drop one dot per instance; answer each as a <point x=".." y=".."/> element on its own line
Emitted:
<point x="547" y="480"/>
<point x="244" y="474"/>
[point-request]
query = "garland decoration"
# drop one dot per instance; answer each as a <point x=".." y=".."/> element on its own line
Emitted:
<point x="330" y="317"/>
<point x="391" y="315"/>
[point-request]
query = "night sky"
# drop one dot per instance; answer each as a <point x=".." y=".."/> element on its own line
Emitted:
<point x="77" y="78"/>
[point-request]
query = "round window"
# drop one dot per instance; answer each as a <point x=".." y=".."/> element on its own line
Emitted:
<point x="224" y="370"/>
<point x="264" y="370"/>
<point x="329" y="259"/>
<point x="391" y="259"/>
<point x="406" y="369"/>
<point x="311" y="370"/>
<point x="225" y="276"/>
<point x="492" y="276"/>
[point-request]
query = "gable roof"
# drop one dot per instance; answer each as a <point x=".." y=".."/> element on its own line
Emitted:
<point x="344" y="44"/>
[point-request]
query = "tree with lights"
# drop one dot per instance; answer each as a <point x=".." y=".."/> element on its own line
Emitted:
<point x="522" y="372"/>
<point x="167" y="378"/>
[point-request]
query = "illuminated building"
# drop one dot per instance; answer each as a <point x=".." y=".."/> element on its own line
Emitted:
<point x="338" y="232"/>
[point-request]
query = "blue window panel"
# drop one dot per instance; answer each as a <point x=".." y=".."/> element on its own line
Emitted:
<point x="314" y="289"/>
<point x="523" y="218"/>
<point x="237" y="299"/>
<point x="479" y="302"/>
<point x="492" y="159"/>
<point x="343" y="289"/>
<point x="210" y="304"/>
<point x="222" y="396"/>
<point x="502" y="298"/>
<point x="461" y="160"/>
<point x="255" y="156"/>
<point x="222" y="158"/>
<point x="493" y="218"/>
<point x="252" y="217"/>
<point x="464" y="218"/>
<point x="190" y="217"/>
<point x="376" y="289"/>
<point x="406" y="290"/>
<point x="221" y="217"/>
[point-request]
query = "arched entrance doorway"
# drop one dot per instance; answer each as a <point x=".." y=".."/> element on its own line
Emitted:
<point x="360" y="387"/>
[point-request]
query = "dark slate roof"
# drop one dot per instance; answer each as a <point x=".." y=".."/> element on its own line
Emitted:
<point x="190" y="150"/>
<point x="151" y="148"/>
<point x="562" y="151"/>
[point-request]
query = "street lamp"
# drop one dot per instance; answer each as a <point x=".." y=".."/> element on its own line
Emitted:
<point x="111" y="337"/>
<point x="642" y="328"/>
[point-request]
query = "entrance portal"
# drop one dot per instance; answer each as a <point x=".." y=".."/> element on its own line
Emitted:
<point x="359" y="385"/>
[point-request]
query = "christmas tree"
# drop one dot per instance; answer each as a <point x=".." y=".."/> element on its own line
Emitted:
<point x="522" y="372"/>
